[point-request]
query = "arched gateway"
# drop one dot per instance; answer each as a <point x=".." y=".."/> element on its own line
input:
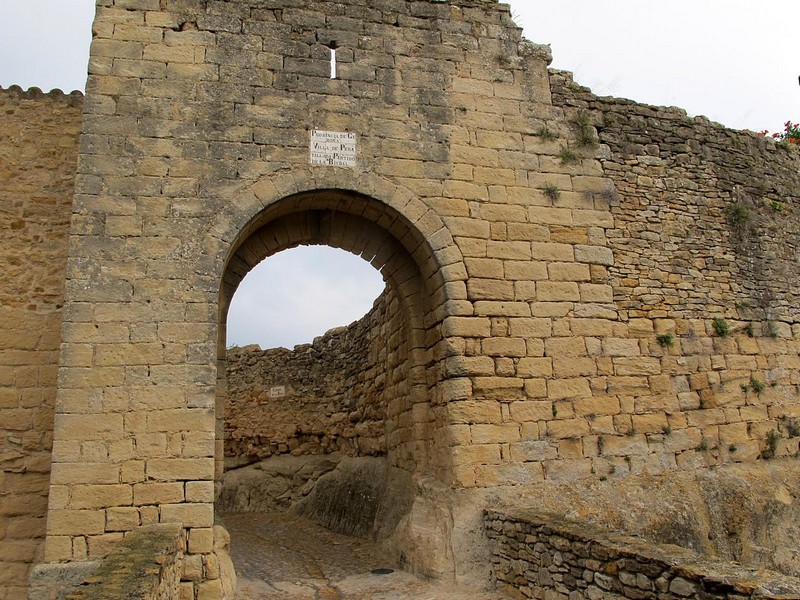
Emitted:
<point x="580" y="289"/>
<point x="407" y="243"/>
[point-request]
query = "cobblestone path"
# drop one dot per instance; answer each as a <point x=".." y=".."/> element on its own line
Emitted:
<point x="279" y="556"/>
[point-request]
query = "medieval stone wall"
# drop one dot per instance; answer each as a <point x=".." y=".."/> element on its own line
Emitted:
<point x="323" y="397"/>
<point x="557" y="259"/>
<point x="706" y="221"/>
<point x="38" y="154"/>
<point x="639" y="378"/>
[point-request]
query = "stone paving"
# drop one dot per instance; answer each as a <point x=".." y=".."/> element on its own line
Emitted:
<point x="282" y="556"/>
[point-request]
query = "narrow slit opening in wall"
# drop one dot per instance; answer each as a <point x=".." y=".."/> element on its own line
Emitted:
<point x="332" y="46"/>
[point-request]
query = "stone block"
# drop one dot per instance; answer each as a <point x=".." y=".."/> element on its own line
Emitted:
<point x="530" y="328"/>
<point x="535" y="367"/>
<point x="84" y="473"/>
<point x="486" y="454"/>
<point x="652" y="423"/>
<point x="531" y="410"/>
<point x="174" y="420"/>
<point x="469" y="365"/>
<point x="597" y="405"/>
<point x="201" y="541"/>
<point x="594" y="255"/>
<point x="567" y="428"/>
<point x="75" y="522"/>
<point x="189" y="515"/>
<point x="122" y="519"/>
<point x="199" y="491"/>
<point x="474" y="411"/>
<point x="495" y="433"/>
<point x="158" y="493"/>
<point x="573" y="366"/>
<point x="525" y="270"/>
<point x="565" y="347"/>
<point x="504" y="347"/>
<point x="466" y="326"/>
<point x="549" y="251"/>
<point x="173" y="469"/>
<point x="100" y="496"/>
<point x="533" y="451"/>
<point x="569" y="272"/>
<point x="568" y="470"/>
<point x="639" y="365"/>
<point x="486" y="308"/>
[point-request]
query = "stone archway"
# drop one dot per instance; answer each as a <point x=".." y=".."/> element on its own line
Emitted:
<point x="415" y="438"/>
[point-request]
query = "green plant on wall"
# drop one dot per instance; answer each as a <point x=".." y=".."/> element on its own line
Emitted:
<point x="778" y="206"/>
<point x="545" y="133"/>
<point x="772" y="445"/>
<point x="739" y="216"/>
<point x="772" y="329"/>
<point x="586" y="137"/>
<point x="756" y="385"/>
<point x="665" y="340"/>
<point x="567" y="156"/>
<point x="721" y="327"/>
<point x="551" y="191"/>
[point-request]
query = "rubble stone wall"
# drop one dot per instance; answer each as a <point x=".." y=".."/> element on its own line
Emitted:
<point x="319" y="398"/>
<point x="706" y="219"/>
<point x="543" y="556"/>
<point x="38" y="155"/>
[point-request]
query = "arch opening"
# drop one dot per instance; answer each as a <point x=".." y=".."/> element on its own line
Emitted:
<point x="363" y="392"/>
<point x="299" y="294"/>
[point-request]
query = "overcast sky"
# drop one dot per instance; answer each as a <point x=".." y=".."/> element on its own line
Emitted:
<point x="735" y="61"/>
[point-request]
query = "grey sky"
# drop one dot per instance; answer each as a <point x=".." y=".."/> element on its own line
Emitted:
<point x="735" y="61"/>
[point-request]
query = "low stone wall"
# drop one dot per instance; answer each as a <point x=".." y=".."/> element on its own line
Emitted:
<point x="150" y="563"/>
<point x="146" y="565"/>
<point x="542" y="556"/>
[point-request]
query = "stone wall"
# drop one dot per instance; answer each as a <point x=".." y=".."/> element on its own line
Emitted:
<point x="558" y="261"/>
<point x="542" y="556"/>
<point x="324" y="397"/>
<point x="706" y="219"/>
<point x="659" y="351"/>
<point x="38" y="154"/>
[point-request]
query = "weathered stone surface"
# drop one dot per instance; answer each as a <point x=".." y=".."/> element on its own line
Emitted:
<point x="515" y="284"/>
<point x="38" y="156"/>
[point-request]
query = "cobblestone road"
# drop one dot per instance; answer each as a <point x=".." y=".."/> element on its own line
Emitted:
<point x="282" y="556"/>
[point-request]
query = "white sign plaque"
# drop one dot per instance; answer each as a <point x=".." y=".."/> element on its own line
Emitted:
<point x="333" y="148"/>
<point x="278" y="391"/>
